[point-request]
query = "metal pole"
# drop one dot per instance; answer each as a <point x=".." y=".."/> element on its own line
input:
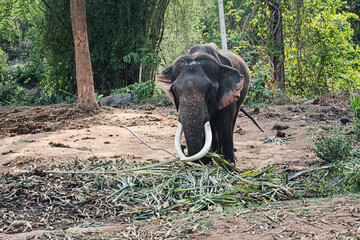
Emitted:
<point x="222" y="25"/>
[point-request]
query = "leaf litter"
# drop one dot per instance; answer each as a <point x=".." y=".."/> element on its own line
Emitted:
<point x="76" y="192"/>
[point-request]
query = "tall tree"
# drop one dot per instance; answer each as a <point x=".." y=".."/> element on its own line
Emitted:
<point x="278" y="54"/>
<point x="84" y="76"/>
<point x="115" y="29"/>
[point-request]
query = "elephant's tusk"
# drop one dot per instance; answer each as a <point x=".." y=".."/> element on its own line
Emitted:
<point x="204" y="150"/>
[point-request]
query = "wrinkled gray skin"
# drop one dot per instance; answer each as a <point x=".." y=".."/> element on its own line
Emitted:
<point x="209" y="84"/>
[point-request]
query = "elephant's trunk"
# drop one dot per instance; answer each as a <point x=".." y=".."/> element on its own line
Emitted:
<point x="193" y="153"/>
<point x="193" y="115"/>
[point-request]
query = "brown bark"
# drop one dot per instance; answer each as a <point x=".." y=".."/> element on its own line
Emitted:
<point x="278" y="57"/>
<point x="84" y="76"/>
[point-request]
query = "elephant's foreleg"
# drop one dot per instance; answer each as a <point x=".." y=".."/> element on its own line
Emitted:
<point x="225" y="126"/>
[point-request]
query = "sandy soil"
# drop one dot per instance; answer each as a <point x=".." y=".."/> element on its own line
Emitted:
<point x="60" y="133"/>
<point x="39" y="136"/>
<point x="84" y="137"/>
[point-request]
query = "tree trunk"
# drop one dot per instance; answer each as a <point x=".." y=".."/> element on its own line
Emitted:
<point x="278" y="57"/>
<point x="84" y="77"/>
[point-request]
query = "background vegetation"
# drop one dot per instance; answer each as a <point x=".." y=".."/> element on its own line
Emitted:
<point x="320" y="44"/>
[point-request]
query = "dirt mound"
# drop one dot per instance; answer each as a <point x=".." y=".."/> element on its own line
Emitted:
<point x="32" y="120"/>
<point x="338" y="98"/>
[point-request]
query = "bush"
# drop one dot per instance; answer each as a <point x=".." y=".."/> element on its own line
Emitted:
<point x="53" y="98"/>
<point x="141" y="91"/>
<point x="342" y="175"/>
<point x="31" y="73"/>
<point x="334" y="147"/>
<point x="159" y="97"/>
<point x="259" y="83"/>
<point x="12" y="94"/>
<point x="146" y="92"/>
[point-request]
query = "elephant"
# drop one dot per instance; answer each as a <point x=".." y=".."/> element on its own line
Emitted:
<point x="207" y="87"/>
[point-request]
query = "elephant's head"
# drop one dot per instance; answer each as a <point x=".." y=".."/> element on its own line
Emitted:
<point x="199" y="85"/>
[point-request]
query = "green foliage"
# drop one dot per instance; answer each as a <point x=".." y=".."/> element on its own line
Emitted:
<point x="53" y="98"/>
<point x="342" y="175"/>
<point x="185" y="26"/>
<point x="56" y="42"/>
<point x="353" y="6"/>
<point x="4" y="64"/>
<point x="337" y="178"/>
<point x="135" y="35"/>
<point x="13" y="95"/>
<point x="238" y="43"/>
<point x="320" y="54"/>
<point x="143" y="57"/>
<point x="17" y="21"/>
<point x="146" y="92"/>
<point x="321" y="42"/>
<point x="355" y="105"/>
<point x="259" y="86"/>
<point x="159" y="97"/>
<point x="31" y="73"/>
<point x="141" y="91"/>
<point x="110" y="39"/>
<point x="335" y="147"/>
<point x="98" y="96"/>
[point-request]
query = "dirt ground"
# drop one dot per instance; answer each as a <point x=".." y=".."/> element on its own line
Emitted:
<point x="42" y="136"/>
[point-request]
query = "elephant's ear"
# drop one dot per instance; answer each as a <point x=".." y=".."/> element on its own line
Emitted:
<point x="166" y="80"/>
<point x="230" y="85"/>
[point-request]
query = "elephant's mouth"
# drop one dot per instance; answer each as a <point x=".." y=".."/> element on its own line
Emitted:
<point x="203" y="151"/>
